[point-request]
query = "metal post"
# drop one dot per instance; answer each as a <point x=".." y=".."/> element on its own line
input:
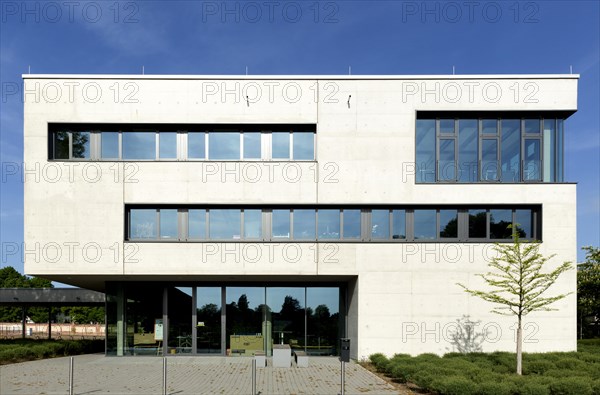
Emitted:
<point x="343" y="383"/>
<point x="253" y="376"/>
<point x="164" y="375"/>
<point x="49" y="323"/>
<point x="71" y="376"/>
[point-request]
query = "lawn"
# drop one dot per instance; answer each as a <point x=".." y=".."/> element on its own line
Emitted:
<point x="557" y="373"/>
<point x="20" y="350"/>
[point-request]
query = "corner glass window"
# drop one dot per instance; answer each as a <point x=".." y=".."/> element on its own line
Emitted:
<point x="425" y="147"/>
<point x="197" y="224"/>
<point x="253" y="224"/>
<point x="224" y="146"/>
<point x="280" y="145"/>
<point x="351" y="224"/>
<point x="500" y="219"/>
<point x="224" y="224"/>
<point x="196" y="145"/>
<point x="142" y="224"/>
<point x="511" y="150"/>
<point x="304" y="146"/>
<point x="61" y="145"/>
<point x="477" y="224"/>
<point x="304" y="224"/>
<point x="398" y="224"/>
<point x="380" y="224"/>
<point x="110" y="145"/>
<point x="329" y="224"/>
<point x="532" y="164"/>
<point x="251" y="145"/>
<point x="425" y="221"/>
<point x="81" y="145"/>
<point x="167" y="145"/>
<point x="467" y="150"/>
<point x="280" y="224"/>
<point x="448" y="224"/>
<point x="168" y="224"/>
<point x="139" y="145"/>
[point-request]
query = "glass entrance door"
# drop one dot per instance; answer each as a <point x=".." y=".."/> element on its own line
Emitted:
<point x="208" y="320"/>
<point x="286" y="316"/>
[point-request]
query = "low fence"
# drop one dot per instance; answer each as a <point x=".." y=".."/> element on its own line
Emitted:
<point x="59" y="331"/>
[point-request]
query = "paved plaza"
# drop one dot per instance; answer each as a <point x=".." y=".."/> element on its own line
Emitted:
<point x="97" y="374"/>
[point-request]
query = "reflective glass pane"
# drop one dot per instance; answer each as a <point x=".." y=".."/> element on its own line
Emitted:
<point x="425" y="147"/>
<point x="448" y="224"/>
<point x="489" y="160"/>
<point x="524" y="221"/>
<point x="351" y="224"/>
<point x="81" y="145"/>
<point x="329" y="224"/>
<point x="167" y="145"/>
<point x="252" y="145"/>
<point x="559" y="150"/>
<point x="532" y="163"/>
<point x="168" y="224"/>
<point x="281" y="145"/>
<point x="196" y="145"/>
<point x="304" y="224"/>
<point x="224" y="224"/>
<point x="139" y="145"/>
<point x="197" y="224"/>
<point x="246" y="329"/>
<point x="380" y="224"/>
<point x="532" y="126"/>
<point x="180" y="323"/>
<point x="322" y="320"/>
<point x="477" y="224"/>
<point x="446" y="162"/>
<point x="398" y="224"/>
<point x="489" y="126"/>
<point x="467" y="150"/>
<point x="208" y="316"/>
<point x="286" y="314"/>
<point x="61" y="145"/>
<point x="549" y="150"/>
<point x="224" y="145"/>
<point x="253" y="224"/>
<point x="447" y="126"/>
<point x="500" y="219"/>
<point x="425" y="221"/>
<point x="280" y="224"/>
<point x="511" y="150"/>
<point x="110" y="145"/>
<point x="304" y="146"/>
<point x="142" y="224"/>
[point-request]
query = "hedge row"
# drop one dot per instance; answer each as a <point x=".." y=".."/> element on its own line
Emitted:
<point x="25" y="350"/>
<point x="573" y="373"/>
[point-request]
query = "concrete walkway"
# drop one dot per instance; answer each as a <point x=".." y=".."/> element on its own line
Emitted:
<point x="97" y="374"/>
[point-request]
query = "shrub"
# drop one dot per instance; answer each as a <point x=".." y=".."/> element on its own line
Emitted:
<point x="379" y="361"/>
<point x="454" y="385"/>
<point x="537" y="367"/>
<point x="533" y="388"/>
<point x="571" y="386"/>
<point x="596" y="387"/>
<point x="496" y="388"/>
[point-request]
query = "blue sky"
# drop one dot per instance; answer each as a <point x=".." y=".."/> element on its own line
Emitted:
<point x="303" y="37"/>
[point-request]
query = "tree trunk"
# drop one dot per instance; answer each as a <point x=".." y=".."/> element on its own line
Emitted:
<point x="519" y="348"/>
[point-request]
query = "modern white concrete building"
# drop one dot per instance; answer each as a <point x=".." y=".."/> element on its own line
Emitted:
<point x="225" y="214"/>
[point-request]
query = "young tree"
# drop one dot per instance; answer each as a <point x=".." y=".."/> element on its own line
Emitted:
<point x="588" y="290"/>
<point x="518" y="283"/>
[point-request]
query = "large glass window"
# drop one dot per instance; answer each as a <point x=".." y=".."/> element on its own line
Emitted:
<point x="81" y="145"/>
<point x="447" y="161"/>
<point x="523" y="223"/>
<point x="532" y="160"/>
<point x="139" y="145"/>
<point x="511" y="150"/>
<point x="196" y="145"/>
<point x="477" y="224"/>
<point x="329" y="224"/>
<point x="197" y="224"/>
<point x="280" y="224"/>
<point x="304" y="224"/>
<point x="447" y="126"/>
<point x="398" y="224"/>
<point x="550" y="152"/>
<point x="110" y="145"/>
<point x="167" y="145"/>
<point x="168" y="224"/>
<point x="208" y="320"/>
<point x="489" y="159"/>
<point x="180" y="323"/>
<point x="448" y="224"/>
<point x="380" y="224"/>
<point x="142" y="224"/>
<point x="253" y="224"/>
<point x="352" y="227"/>
<point x="467" y="150"/>
<point x="224" y="224"/>
<point x="489" y="126"/>
<point x="280" y="145"/>
<point x="425" y="144"/>
<point x="500" y="219"/>
<point x="61" y="145"/>
<point x="532" y="126"/>
<point x="304" y="146"/>
<point x="224" y="146"/>
<point x="251" y="145"/>
<point x="425" y="224"/>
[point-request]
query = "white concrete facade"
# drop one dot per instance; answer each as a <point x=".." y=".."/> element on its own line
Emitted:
<point x="403" y="296"/>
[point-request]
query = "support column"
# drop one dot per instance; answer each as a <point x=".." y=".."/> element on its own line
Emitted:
<point x="120" y="320"/>
<point x="223" y="322"/>
<point x="165" y="344"/>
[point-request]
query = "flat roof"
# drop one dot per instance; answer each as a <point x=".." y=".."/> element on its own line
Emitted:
<point x="300" y="77"/>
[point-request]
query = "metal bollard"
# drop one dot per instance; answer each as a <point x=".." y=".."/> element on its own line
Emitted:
<point x="253" y="376"/>
<point x="71" y="376"/>
<point x="164" y="375"/>
<point x="343" y="378"/>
